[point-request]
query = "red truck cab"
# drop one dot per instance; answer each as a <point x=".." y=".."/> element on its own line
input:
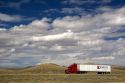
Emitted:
<point x="72" y="69"/>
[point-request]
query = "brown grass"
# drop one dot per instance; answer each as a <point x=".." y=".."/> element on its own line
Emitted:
<point x="52" y="73"/>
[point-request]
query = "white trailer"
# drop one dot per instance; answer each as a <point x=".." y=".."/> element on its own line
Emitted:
<point x="82" y="68"/>
<point x="96" y="68"/>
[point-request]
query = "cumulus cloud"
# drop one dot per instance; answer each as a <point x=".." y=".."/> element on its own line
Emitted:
<point x="65" y="40"/>
<point x="9" y="18"/>
<point x="54" y="37"/>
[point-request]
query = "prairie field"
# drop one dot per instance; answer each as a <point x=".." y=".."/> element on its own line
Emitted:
<point x="51" y="73"/>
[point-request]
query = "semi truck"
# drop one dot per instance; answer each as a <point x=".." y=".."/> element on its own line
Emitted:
<point x="82" y="68"/>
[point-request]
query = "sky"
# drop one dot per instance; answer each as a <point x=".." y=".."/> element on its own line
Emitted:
<point x="63" y="32"/>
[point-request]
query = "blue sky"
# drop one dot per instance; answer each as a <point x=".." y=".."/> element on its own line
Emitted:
<point x="29" y="10"/>
<point x="78" y="31"/>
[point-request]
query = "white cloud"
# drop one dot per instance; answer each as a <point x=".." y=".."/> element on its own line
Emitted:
<point x="53" y="37"/>
<point x="71" y="39"/>
<point x="56" y="47"/>
<point x="9" y="18"/>
<point x="2" y="29"/>
<point x="90" y="42"/>
<point x="70" y="22"/>
<point x="42" y="23"/>
<point x="107" y="19"/>
<point x="104" y="58"/>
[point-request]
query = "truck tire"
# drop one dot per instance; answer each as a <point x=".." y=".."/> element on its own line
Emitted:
<point x="99" y="73"/>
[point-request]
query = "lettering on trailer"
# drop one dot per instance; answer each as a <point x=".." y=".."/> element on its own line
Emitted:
<point x="102" y="67"/>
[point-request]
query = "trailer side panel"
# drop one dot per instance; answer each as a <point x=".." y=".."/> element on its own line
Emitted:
<point x="97" y="68"/>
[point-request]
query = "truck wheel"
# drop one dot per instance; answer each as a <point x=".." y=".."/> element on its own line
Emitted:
<point x="99" y="73"/>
